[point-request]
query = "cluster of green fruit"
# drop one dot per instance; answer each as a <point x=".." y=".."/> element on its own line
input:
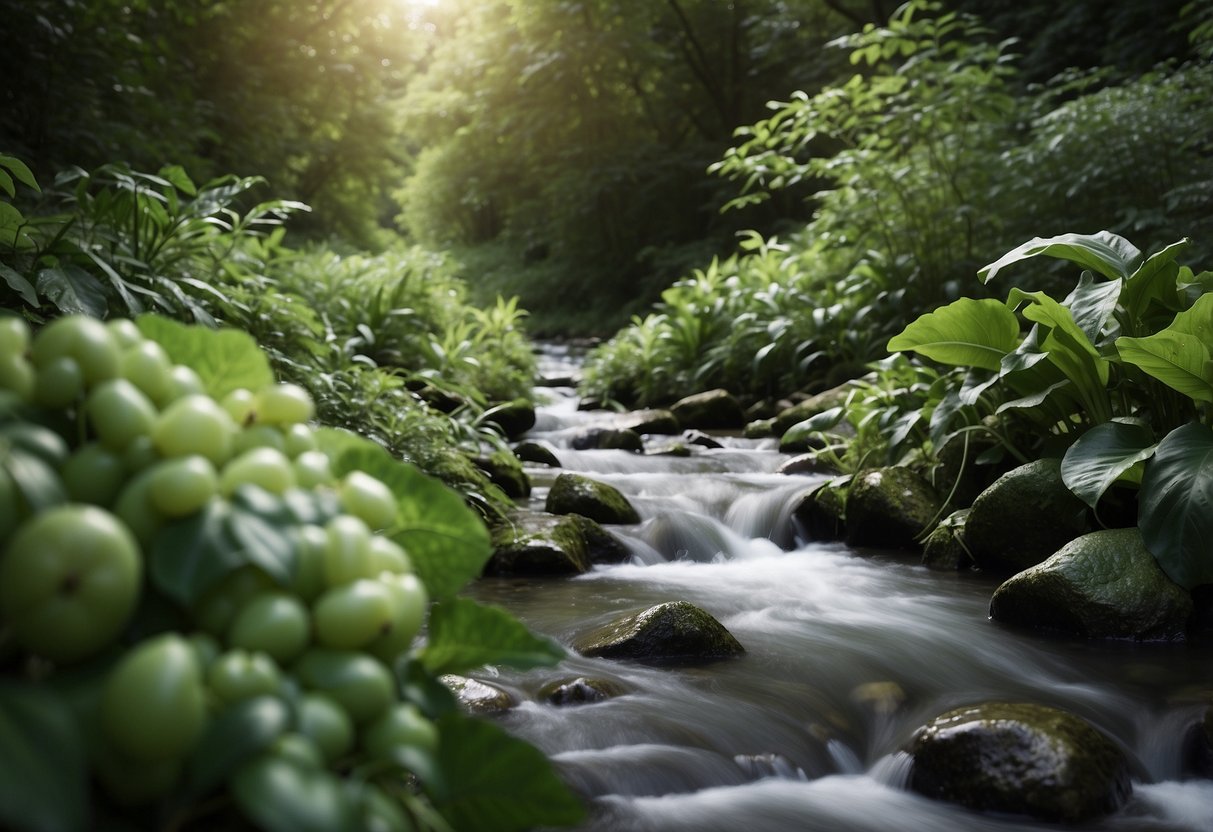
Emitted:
<point x="150" y="449"/>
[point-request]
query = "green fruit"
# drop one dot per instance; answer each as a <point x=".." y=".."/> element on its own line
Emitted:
<point x="10" y="505"/>
<point x="153" y="705"/>
<point x="93" y="474"/>
<point x="125" y="333"/>
<point x="42" y="442"/>
<point x="195" y="424"/>
<point x="311" y="543"/>
<point x="17" y="375"/>
<point x="312" y="469"/>
<point x="69" y="581"/>
<point x="140" y="455"/>
<point x="184" y="382"/>
<point x="239" y="674"/>
<point x="119" y="413"/>
<point x="136" y="509"/>
<point x="348" y="556"/>
<point x="263" y="467"/>
<point x="381" y="813"/>
<point x="259" y="436"/>
<point x="353" y="614"/>
<point x="326" y="723"/>
<point x="85" y="339"/>
<point x="179" y="487"/>
<point x="278" y="792"/>
<point x="59" y="383"/>
<point x="274" y="623"/>
<point x="218" y="607"/>
<point x="358" y="683"/>
<point x="239" y="404"/>
<point x="14" y="335"/>
<point x="299" y="748"/>
<point x="400" y="725"/>
<point x="284" y="404"/>
<point x="388" y="556"/>
<point x="299" y="439"/>
<point x="147" y="366"/>
<point x="368" y="499"/>
<point x="411" y="603"/>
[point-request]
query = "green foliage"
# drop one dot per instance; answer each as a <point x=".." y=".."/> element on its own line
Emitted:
<point x="1107" y="395"/>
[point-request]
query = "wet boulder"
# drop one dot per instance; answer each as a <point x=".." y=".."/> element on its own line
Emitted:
<point x="536" y="453"/>
<point x="890" y="508"/>
<point x="1021" y="759"/>
<point x="703" y="440"/>
<point x="1023" y="518"/>
<point x="675" y="449"/>
<point x="1105" y="584"/>
<point x="710" y="409"/>
<point x="820" y="514"/>
<point x="514" y="418"/>
<point x="478" y="697"/>
<point x="649" y="421"/>
<point x="579" y="691"/>
<point x="759" y="429"/>
<point x="608" y="439"/>
<point x="600" y="545"/>
<point x="575" y="494"/>
<point x="1198" y="746"/>
<point x="943" y="550"/>
<point x="537" y="544"/>
<point x="505" y="472"/>
<point x="674" y="633"/>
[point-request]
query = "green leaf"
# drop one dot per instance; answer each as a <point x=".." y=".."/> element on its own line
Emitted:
<point x="445" y="540"/>
<point x="1091" y="304"/>
<point x="493" y="782"/>
<point x="180" y="180"/>
<point x="1106" y="253"/>
<point x="225" y="359"/>
<point x="6" y="184"/>
<point x="1177" y="356"/>
<point x="19" y="285"/>
<point x="1155" y="279"/>
<point x="234" y="735"/>
<point x="1102" y="455"/>
<point x="1068" y="348"/>
<point x="1175" y="506"/>
<point x="19" y="170"/>
<point x="43" y="771"/>
<point x="966" y="333"/>
<point x="73" y="290"/>
<point x="464" y="635"/>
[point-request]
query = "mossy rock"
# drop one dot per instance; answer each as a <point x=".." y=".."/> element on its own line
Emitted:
<point x="1023" y="518"/>
<point x="513" y="418"/>
<point x="674" y="633"/>
<point x="810" y="407"/>
<point x="579" y="691"/>
<point x="805" y="464"/>
<point x="890" y="508"/>
<point x="536" y="544"/>
<point x="575" y="494"/>
<point x="943" y="550"/>
<point x="1105" y="584"/>
<point x="759" y="429"/>
<point x="536" y="453"/>
<point x="649" y="421"/>
<point x="710" y="409"/>
<point x="674" y="449"/>
<point x="821" y="514"/>
<point x="478" y="697"/>
<point x="600" y="545"/>
<point x="505" y="472"/>
<point x="608" y="439"/>
<point x="1021" y="759"/>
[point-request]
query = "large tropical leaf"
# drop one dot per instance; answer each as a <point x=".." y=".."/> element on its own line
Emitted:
<point x="1179" y="355"/>
<point x="1105" y="253"/>
<point x="1175" y="507"/>
<point x="965" y="333"/>
<point x="1103" y="455"/>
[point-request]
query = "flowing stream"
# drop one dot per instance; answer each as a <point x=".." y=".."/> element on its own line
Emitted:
<point x="847" y="653"/>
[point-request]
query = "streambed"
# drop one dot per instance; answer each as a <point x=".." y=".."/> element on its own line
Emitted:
<point x="847" y="654"/>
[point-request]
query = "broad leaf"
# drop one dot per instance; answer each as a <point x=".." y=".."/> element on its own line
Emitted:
<point x="965" y="333"/>
<point x="43" y="771"/>
<point x="464" y="635"/>
<point x="1105" y="253"/>
<point x="20" y="171"/>
<point x="445" y="540"/>
<point x="19" y="284"/>
<point x="1155" y="279"/>
<point x="1175" y="507"/>
<point x="225" y="359"/>
<point x="73" y="291"/>
<point x="1179" y="355"/>
<point x="1066" y="346"/>
<point x="1091" y="304"/>
<point x="493" y="782"/>
<point x="1102" y="455"/>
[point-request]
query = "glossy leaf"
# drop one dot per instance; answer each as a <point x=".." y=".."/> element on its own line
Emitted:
<point x="1104" y="253"/>
<point x="1175" y="507"/>
<point x="19" y="284"/>
<point x="1103" y="455"/>
<point x="225" y="359"/>
<point x="43" y="770"/>
<point x="72" y="290"/>
<point x="1091" y="304"/>
<point x="20" y="171"/>
<point x="1179" y="355"/>
<point x="465" y="635"/>
<point x="1155" y="279"/>
<point x="493" y="782"/>
<point x="965" y="333"/>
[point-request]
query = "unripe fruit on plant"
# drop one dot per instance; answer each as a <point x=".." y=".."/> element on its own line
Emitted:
<point x="264" y="467"/>
<point x="119" y="413"/>
<point x="326" y="723"/>
<point x="411" y="602"/>
<point x="369" y="499"/>
<point x="85" y="339"/>
<point x="353" y="614"/>
<point x="14" y="335"/>
<point x="299" y="439"/>
<point x="147" y="366"/>
<point x="153" y="706"/>
<point x="17" y="375"/>
<point x="348" y="556"/>
<point x="239" y="404"/>
<point x="10" y="505"/>
<point x="402" y="724"/>
<point x="312" y="468"/>
<point x="59" y="383"/>
<point x="179" y="487"/>
<point x="126" y="333"/>
<point x="140" y="455"/>
<point x="134" y="506"/>
<point x="358" y="683"/>
<point x="284" y="404"/>
<point x="183" y="382"/>
<point x="259" y="436"/>
<point x="240" y="674"/>
<point x="274" y="623"/>
<point x="195" y="424"/>
<point x="94" y="474"/>
<point x="311" y="543"/>
<point x="69" y="580"/>
<point x="216" y="610"/>
<point x="388" y="556"/>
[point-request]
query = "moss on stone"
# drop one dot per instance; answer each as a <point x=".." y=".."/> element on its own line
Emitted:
<point x="576" y="494"/>
<point x="674" y="633"/>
